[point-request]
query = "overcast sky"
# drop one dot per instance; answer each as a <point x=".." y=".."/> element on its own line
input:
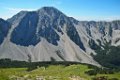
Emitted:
<point x="79" y="9"/>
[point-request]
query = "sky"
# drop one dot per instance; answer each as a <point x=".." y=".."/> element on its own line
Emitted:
<point x="80" y="9"/>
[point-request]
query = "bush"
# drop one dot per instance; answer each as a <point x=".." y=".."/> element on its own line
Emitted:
<point x="91" y="72"/>
<point x="113" y="79"/>
<point x="109" y="56"/>
<point x="100" y="78"/>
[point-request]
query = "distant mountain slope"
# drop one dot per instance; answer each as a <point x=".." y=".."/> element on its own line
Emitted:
<point x="48" y="34"/>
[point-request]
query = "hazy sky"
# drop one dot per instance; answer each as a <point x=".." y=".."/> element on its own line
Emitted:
<point x="79" y="9"/>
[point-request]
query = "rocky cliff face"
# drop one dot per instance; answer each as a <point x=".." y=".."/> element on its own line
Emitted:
<point x="4" y="28"/>
<point x="48" y="34"/>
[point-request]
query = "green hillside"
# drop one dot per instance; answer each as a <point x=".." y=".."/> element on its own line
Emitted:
<point x="58" y="72"/>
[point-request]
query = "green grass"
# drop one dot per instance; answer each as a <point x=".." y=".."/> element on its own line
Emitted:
<point x="58" y="72"/>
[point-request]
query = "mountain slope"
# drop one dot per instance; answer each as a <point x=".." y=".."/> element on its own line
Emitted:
<point x="4" y="28"/>
<point x="47" y="34"/>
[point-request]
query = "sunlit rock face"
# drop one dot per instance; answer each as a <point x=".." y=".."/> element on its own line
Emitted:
<point x="48" y="34"/>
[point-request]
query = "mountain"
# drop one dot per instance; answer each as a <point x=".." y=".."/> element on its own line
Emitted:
<point x="4" y="28"/>
<point x="48" y="34"/>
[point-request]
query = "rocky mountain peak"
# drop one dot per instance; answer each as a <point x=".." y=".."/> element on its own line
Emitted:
<point x="49" y="11"/>
<point x="48" y="33"/>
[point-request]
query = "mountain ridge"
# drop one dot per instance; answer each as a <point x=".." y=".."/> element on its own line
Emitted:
<point x="48" y="34"/>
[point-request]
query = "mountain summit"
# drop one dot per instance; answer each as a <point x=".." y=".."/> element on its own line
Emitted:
<point x="47" y="34"/>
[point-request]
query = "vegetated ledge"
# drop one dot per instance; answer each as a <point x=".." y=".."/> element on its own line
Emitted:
<point x="74" y="69"/>
<point x="8" y="63"/>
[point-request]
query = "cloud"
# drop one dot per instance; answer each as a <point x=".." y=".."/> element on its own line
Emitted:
<point x="9" y="12"/>
<point x="6" y="15"/>
<point x="97" y="18"/>
<point x="20" y="9"/>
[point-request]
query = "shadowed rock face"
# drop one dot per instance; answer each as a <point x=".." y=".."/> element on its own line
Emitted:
<point x="33" y="26"/>
<point x="4" y="28"/>
<point x="50" y="32"/>
<point x="25" y="33"/>
<point x="73" y="34"/>
<point x="42" y="24"/>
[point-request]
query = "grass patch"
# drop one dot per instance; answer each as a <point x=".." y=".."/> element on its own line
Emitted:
<point x="58" y="72"/>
